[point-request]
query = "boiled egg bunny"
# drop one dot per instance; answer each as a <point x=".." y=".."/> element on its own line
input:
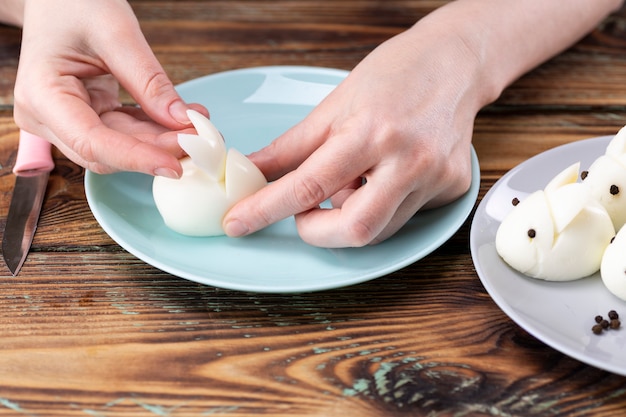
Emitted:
<point x="606" y="177"/>
<point x="558" y="233"/>
<point x="213" y="180"/>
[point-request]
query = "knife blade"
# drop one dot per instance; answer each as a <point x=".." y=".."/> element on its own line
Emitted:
<point x="32" y="170"/>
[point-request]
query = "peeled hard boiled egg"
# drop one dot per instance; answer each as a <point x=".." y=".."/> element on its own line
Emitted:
<point x="557" y="234"/>
<point x="213" y="180"/>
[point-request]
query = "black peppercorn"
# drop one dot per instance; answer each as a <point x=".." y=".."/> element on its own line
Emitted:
<point x="603" y="324"/>
<point x="515" y="201"/>
<point x="614" y="190"/>
<point x="583" y="175"/>
<point x="532" y="233"/>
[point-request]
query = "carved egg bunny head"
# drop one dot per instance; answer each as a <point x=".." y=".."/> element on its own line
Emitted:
<point x="606" y="178"/>
<point x="613" y="267"/>
<point x="557" y="234"/>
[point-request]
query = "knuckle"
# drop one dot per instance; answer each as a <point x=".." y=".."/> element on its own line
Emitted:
<point x="309" y="192"/>
<point x="457" y="175"/>
<point x="263" y="215"/>
<point x="19" y="118"/>
<point x="156" y="84"/>
<point x="359" y="232"/>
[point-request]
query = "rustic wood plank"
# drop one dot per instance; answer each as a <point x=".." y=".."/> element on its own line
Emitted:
<point x="192" y="39"/>
<point x="215" y="345"/>
<point x="504" y="138"/>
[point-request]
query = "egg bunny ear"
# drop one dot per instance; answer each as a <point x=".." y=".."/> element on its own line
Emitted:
<point x="243" y="178"/>
<point x="206" y="149"/>
<point x="617" y="146"/>
<point x="566" y="197"/>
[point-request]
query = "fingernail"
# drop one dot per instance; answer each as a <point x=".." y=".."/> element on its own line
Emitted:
<point x="235" y="228"/>
<point x="166" y="172"/>
<point x="178" y="111"/>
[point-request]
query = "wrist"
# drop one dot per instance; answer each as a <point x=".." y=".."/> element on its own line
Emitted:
<point x="503" y="40"/>
<point x="469" y="30"/>
<point x="458" y="56"/>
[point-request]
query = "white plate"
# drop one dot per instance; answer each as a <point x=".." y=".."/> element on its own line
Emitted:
<point x="560" y="314"/>
<point x="251" y="107"/>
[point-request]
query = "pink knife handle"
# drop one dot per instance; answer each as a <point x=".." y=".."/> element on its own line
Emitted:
<point x="33" y="153"/>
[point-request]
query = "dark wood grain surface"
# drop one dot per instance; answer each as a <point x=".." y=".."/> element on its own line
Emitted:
<point x="86" y="329"/>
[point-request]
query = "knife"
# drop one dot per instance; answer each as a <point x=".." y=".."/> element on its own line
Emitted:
<point x="32" y="170"/>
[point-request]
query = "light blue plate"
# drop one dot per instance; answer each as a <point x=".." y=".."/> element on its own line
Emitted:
<point x="251" y="107"/>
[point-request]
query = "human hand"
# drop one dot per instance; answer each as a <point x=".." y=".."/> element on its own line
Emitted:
<point x="393" y="138"/>
<point x="73" y="55"/>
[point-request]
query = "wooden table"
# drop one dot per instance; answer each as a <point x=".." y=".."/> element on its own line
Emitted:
<point x="86" y="329"/>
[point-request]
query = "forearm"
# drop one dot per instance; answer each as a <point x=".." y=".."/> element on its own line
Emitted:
<point x="12" y="12"/>
<point x="507" y="38"/>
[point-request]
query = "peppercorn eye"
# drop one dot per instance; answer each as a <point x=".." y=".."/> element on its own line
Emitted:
<point x="532" y="233"/>
<point x="583" y="175"/>
<point x="614" y="190"/>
